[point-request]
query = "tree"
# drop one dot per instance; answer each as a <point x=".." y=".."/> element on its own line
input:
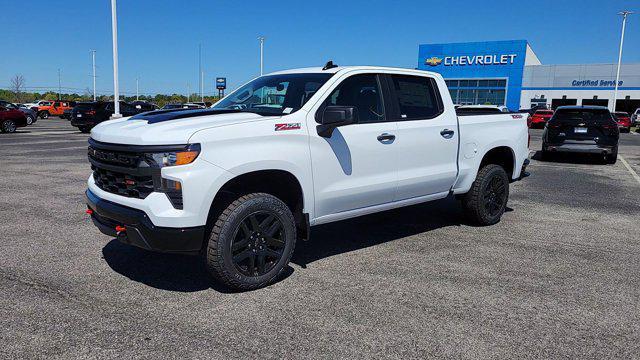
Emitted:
<point x="17" y="84"/>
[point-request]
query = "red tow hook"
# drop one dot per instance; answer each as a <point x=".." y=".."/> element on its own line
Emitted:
<point x="120" y="229"/>
<point x="89" y="211"/>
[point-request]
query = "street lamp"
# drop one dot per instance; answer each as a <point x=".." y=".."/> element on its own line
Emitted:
<point x="116" y="91"/>
<point x="93" y="66"/>
<point x="261" y="38"/>
<point x="624" y="23"/>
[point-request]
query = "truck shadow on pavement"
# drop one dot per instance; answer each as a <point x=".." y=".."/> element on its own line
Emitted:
<point x="185" y="273"/>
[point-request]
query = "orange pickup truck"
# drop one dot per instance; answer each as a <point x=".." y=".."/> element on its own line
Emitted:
<point x="55" y="108"/>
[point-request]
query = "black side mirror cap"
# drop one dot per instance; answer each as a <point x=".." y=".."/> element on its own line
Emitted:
<point x="335" y="116"/>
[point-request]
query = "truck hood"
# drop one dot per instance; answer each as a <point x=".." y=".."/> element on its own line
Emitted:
<point x="167" y="127"/>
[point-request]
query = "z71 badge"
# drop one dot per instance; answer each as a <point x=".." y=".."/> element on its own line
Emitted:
<point x="289" y="126"/>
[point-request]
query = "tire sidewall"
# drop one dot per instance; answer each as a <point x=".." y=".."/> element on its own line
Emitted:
<point x="263" y="202"/>
<point x="483" y="212"/>
<point x="29" y="120"/>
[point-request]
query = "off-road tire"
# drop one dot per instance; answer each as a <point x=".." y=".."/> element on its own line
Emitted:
<point x="44" y="114"/>
<point x="473" y="202"/>
<point x="218" y="257"/>
<point x="611" y="158"/>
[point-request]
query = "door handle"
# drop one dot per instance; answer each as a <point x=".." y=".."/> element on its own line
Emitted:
<point x="447" y="134"/>
<point x="386" y="137"/>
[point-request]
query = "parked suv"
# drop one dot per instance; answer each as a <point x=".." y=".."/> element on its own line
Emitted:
<point x="582" y="129"/>
<point x="56" y="108"/>
<point x="241" y="182"/>
<point x="86" y="115"/>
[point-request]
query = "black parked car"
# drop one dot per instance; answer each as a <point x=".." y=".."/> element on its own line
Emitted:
<point x="582" y="129"/>
<point x="28" y="113"/>
<point x="86" y="115"/>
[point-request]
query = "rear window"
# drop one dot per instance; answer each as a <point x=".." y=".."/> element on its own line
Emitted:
<point x="544" y="112"/>
<point x="85" y="106"/>
<point x="583" y="115"/>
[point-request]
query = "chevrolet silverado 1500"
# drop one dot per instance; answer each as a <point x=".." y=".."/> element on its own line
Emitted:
<point x="241" y="182"/>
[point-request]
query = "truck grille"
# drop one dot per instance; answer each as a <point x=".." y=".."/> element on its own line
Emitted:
<point x="122" y="184"/>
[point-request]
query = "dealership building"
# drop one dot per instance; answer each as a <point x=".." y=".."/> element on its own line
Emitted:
<point x="509" y="73"/>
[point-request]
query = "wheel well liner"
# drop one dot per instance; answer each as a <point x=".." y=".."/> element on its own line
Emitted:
<point x="503" y="156"/>
<point x="279" y="183"/>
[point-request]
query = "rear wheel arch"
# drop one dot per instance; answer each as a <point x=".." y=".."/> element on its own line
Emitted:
<point x="501" y="155"/>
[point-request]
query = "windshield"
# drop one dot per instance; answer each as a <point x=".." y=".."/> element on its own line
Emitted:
<point x="274" y="94"/>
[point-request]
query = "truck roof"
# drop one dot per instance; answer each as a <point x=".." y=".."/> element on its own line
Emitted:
<point x="336" y="69"/>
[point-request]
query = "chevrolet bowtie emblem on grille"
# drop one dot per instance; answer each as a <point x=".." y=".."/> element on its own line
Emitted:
<point x="581" y="124"/>
<point x="433" y="61"/>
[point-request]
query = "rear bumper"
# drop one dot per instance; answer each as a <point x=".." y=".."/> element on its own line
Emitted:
<point x="82" y="122"/>
<point x="140" y="231"/>
<point x="589" y="148"/>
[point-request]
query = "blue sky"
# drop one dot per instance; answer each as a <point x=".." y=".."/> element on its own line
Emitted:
<point x="159" y="39"/>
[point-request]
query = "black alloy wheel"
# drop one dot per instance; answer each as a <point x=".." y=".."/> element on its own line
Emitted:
<point x="258" y="244"/>
<point x="495" y="195"/>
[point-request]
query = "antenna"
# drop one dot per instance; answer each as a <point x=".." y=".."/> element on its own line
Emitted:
<point x="329" y="65"/>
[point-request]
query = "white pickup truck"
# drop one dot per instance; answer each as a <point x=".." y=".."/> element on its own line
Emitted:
<point x="240" y="182"/>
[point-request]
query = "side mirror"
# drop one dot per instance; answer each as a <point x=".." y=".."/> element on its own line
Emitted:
<point x="335" y="116"/>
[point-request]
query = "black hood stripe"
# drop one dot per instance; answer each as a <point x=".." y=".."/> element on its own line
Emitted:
<point x="157" y="116"/>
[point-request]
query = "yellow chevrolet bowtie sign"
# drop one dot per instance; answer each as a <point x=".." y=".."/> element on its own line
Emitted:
<point x="433" y="61"/>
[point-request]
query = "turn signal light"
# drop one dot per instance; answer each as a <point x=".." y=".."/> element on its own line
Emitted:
<point x="185" y="157"/>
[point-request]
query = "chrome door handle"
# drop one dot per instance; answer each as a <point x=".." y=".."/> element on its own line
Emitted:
<point x="447" y="134"/>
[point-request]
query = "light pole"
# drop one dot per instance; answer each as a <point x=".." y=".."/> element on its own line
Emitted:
<point x="116" y="91"/>
<point x="137" y="88"/>
<point x="93" y="66"/>
<point x="59" y="85"/>
<point x="261" y="38"/>
<point x="615" y="91"/>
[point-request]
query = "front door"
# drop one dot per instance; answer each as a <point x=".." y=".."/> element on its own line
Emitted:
<point x="355" y="168"/>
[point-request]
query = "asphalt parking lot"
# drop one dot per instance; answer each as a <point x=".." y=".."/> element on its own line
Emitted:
<point x="557" y="277"/>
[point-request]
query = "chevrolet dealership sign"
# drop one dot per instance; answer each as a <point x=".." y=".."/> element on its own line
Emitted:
<point x="466" y="60"/>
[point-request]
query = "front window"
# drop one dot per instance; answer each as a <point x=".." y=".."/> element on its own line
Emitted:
<point x="274" y="94"/>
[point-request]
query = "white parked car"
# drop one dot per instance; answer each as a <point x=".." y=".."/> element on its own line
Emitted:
<point x="635" y="117"/>
<point x="241" y="182"/>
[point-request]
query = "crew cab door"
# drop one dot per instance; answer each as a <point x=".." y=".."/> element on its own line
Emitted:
<point x="427" y="140"/>
<point x="355" y="167"/>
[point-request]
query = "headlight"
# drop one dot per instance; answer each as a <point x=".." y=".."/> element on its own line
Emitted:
<point x="174" y="158"/>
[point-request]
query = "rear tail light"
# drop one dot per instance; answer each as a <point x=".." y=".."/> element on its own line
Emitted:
<point x="91" y="112"/>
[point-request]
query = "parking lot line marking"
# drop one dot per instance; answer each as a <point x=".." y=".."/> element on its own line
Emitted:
<point x="626" y="164"/>
<point x="56" y="149"/>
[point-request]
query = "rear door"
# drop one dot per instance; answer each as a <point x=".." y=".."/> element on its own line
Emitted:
<point x="427" y="139"/>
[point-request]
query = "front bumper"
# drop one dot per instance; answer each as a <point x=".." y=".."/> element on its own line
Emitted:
<point x="140" y="231"/>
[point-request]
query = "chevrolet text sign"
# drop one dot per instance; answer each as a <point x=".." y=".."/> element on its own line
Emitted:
<point x="465" y="60"/>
